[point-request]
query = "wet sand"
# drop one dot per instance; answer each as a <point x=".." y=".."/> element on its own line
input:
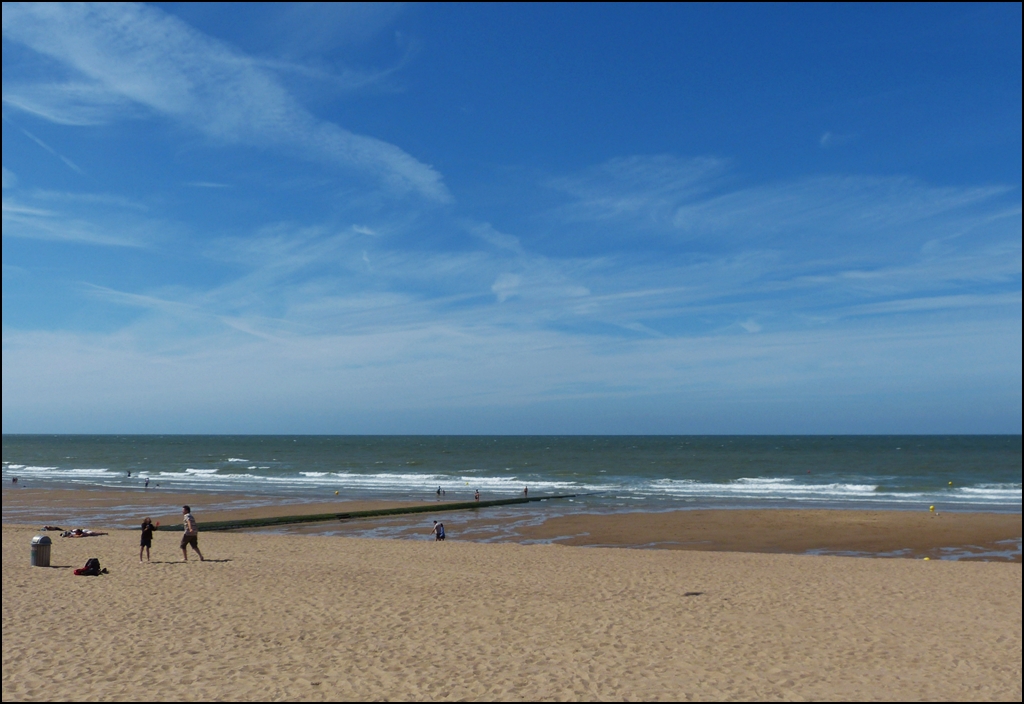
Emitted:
<point x="121" y="508"/>
<point x="982" y="536"/>
<point x="913" y="534"/>
<point x="895" y="533"/>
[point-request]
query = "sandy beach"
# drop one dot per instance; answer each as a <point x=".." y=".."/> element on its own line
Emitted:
<point x="320" y="618"/>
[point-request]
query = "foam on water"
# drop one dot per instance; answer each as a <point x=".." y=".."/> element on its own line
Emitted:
<point x="993" y="492"/>
<point x="958" y="472"/>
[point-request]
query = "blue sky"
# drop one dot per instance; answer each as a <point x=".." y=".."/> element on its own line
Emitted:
<point x="512" y="219"/>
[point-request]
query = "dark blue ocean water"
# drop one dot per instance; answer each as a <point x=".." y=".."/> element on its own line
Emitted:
<point x="614" y="473"/>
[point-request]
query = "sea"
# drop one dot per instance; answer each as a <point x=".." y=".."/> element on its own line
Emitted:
<point x="601" y="473"/>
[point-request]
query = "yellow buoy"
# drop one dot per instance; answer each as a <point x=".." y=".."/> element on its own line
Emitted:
<point x="931" y="508"/>
<point x="927" y="558"/>
<point x="335" y="493"/>
<point x="951" y="483"/>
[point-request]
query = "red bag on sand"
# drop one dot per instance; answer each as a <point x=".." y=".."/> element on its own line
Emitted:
<point x="91" y="569"/>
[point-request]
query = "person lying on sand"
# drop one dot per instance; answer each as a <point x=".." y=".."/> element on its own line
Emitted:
<point x="81" y="533"/>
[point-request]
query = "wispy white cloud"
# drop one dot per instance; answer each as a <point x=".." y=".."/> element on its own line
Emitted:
<point x="309" y="281"/>
<point x="75" y="103"/>
<point x="389" y="341"/>
<point x="101" y="199"/>
<point x="37" y="223"/>
<point x="344" y="79"/>
<point x="694" y="201"/>
<point x="383" y="324"/>
<point x="318" y="281"/>
<point x="67" y="162"/>
<point x="143" y="56"/>
<point x="502" y="241"/>
<point x="85" y="218"/>
<point x="207" y="184"/>
<point x="644" y="188"/>
<point x="302" y="30"/>
<point x="148" y="302"/>
<point x="827" y="208"/>
<point x="933" y="303"/>
<point x="550" y="377"/>
<point x="831" y="139"/>
<point x="506" y="286"/>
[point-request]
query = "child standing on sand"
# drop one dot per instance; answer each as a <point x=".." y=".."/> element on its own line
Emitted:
<point x="146" y="542"/>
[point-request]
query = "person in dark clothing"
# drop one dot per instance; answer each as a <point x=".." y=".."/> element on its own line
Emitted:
<point x="146" y="541"/>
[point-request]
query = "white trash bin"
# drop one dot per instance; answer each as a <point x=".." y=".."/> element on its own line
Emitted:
<point x="41" y="551"/>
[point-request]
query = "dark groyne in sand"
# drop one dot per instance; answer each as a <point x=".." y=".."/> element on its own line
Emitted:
<point x="374" y="513"/>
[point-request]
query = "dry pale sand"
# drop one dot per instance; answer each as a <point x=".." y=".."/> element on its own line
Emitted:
<point x="304" y="617"/>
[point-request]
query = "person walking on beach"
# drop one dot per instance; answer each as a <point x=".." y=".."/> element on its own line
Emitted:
<point x="146" y="542"/>
<point x="191" y="536"/>
<point x="438" y="531"/>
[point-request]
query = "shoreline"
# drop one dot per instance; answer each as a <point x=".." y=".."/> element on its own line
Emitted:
<point x="851" y="532"/>
<point x="122" y="508"/>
